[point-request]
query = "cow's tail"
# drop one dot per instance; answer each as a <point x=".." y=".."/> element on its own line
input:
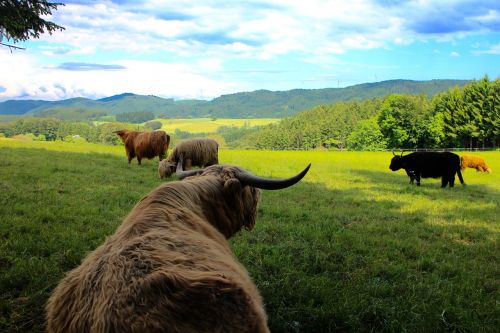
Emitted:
<point x="167" y="142"/>
<point x="459" y="171"/>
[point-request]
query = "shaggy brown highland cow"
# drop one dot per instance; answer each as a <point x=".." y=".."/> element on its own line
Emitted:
<point x="474" y="162"/>
<point x="195" y="152"/>
<point x="169" y="267"/>
<point x="144" y="144"/>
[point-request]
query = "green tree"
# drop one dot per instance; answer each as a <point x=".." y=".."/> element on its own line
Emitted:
<point x="434" y="134"/>
<point x="491" y="117"/>
<point x="21" y="20"/>
<point x="106" y="134"/>
<point x="471" y="116"/>
<point x="450" y="105"/>
<point x="473" y="98"/>
<point x="46" y="126"/>
<point x="135" y="117"/>
<point x="322" y="126"/>
<point x="481" y="100"/>
<point x="403" y="119"/>
<point x="366" y="136"/>
<point x="154" y="125"/>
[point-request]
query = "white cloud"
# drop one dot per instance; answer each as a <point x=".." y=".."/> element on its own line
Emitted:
<point x="455" y="54"/>
<point x="493" y="49"/>
<point x="27" y="76"/>
<point x="266" y="30"/>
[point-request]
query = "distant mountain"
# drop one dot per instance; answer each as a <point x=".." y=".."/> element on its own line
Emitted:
<point x="20" y="107"/>
<point x="256" y="104"/>
<point x="115" y="97"/>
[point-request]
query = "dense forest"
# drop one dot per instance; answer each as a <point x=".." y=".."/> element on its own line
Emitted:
<point x="466" y="117"/>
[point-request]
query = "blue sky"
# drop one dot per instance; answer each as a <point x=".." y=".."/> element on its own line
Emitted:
<point x="206" y="48"/>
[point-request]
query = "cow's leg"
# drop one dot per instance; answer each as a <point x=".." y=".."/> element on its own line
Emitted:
<point x="444" y="181"/>
<point x="410" y="174"/>
<point x="138" y="160"/>
<point x="452" y="180"/>
<point x="188" y="164"/>
<point x="131" y="156"/>
<point x="460" y="177"/>
<point x="417" y="177"/>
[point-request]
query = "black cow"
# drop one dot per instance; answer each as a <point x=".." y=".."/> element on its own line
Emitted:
<point x="442" y="165"/>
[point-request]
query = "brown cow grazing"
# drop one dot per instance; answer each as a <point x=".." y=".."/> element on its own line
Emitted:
<point x="144" y="144"/>
<point x="195" y="152"/>
<point x="169" y="267"/>
<point x="474" y="162"/>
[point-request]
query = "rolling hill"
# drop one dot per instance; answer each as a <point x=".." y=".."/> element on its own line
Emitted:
<point x="255" y="104"/>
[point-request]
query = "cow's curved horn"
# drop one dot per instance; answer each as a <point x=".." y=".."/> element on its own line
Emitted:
<point x="393" y="153"/>
<point x="402" y="152"/>
<point x="181" y="174"/>
<point x="271" y="184"/>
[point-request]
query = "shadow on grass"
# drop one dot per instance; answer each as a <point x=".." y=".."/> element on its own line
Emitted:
<point x="470" y="202"/>
<point x="330" y="260"/>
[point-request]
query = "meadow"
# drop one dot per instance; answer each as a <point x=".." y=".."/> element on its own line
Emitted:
<point x="351" y="248"/>
<point x="207" y="125"/>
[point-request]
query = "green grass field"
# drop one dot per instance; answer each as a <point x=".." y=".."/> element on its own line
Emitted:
<point x="351" y="248"/>
<point x="207" y="125"/>
<point x="201" y="125"/>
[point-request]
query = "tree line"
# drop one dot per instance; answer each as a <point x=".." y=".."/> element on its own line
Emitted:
<point x="51" y="129"/>
<point x="460" y="117"/>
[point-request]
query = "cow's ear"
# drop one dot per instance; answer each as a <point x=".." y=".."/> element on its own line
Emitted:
<point x="231" y="186"/>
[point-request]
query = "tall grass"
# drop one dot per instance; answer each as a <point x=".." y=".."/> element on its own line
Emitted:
<point x="353" y="247"/>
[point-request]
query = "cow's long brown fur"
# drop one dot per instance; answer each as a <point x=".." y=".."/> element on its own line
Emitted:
<point x="195" y="152"/>
<point x="144" y="144"/>
<point x="168" y="267"/>
<point x="473" y="162"/>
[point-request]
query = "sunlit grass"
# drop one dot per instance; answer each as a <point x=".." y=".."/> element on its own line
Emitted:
<point x="207" y="125"/>
<point x="353" y="247"/>
<point x="61" y="146"/>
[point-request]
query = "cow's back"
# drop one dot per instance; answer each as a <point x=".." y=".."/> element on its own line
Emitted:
<point x="434" y="164"/>
<point x="151" y="144"/>
<point x="161" y="281"/>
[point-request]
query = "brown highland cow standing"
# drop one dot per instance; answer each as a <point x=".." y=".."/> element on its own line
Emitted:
<point x="144" y="144"/>
<point x="169" y="267"/>
<point x="473" y="162"/>
<point x="195" y="152"/>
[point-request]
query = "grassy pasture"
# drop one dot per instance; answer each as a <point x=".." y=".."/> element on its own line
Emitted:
<point x="353" y="247"/>
<point x="207" y="125"/>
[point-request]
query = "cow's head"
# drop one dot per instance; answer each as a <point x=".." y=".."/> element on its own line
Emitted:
<point x="123" y="134"/>
<point x="166" y="168"/>
<point x="232" y="194"/>
<point x="397" y="162"/>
